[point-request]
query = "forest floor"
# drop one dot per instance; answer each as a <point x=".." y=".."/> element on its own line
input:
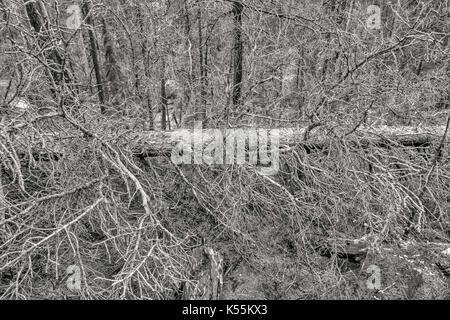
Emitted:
<point x="330" y="225"/>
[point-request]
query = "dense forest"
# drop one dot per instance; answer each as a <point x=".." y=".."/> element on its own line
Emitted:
<point x="335" y="182"/>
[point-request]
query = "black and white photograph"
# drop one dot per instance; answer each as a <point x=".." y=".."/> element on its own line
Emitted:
<point x="225" y="151"/>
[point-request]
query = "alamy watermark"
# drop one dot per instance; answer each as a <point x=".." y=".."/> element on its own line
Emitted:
<point x="73" y="281"/>
<point x="74" y="21"/>
<point x="254" y="147"/>
<point x="374" y="17"/>
<point x="374" y="280"/>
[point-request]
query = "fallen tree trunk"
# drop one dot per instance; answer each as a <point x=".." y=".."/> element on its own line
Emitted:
<point x="167" y="143"/>
<point x="164" y="142"/>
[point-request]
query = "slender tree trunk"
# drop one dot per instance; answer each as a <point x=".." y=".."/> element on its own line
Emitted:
<point x="335" y="9"/>
<point x="388" y="19"/>
<point x="79" y="61"/>
<point x="237" y="53"/>
<point x="94" y="55"/>
<point x="202" y="112"/>
<point x="301" y="83"/>
<point x="290" y="72"/>
<point x="38" y="18"/>
<point x="83" y="54"/>
<point x="112" y="70"/>
<point x="163" y="96"/>
<point x="146" y="61"/>
<point x="187" y="88"/>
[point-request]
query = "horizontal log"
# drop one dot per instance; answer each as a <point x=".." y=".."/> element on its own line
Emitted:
<point x="157" y="143"/>
<point x="164" y="142"/>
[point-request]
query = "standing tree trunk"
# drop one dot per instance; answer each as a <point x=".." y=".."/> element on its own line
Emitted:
<point x="202" y="112"/>
<point x="388" y="17"/>
<point x="163" y="96"/>
<point x="146" y="61"/>
<point x="79" y="62"/>
<point x="237" y="53"/>
<point x="94" y="55"/>
<point x="335" y="9"/>
<point x="37" y="15"/>
<point x="300" y="84"/>
<point x="187" y="87"/>
<point x="112" y="70"/>
<point x="290" y="72"/>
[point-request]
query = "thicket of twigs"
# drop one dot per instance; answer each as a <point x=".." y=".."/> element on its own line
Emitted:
<point x="78" y="79"/>
<point x="130" y="224"/>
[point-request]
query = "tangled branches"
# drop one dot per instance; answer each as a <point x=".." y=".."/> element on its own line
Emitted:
<point x="130" y="223"/>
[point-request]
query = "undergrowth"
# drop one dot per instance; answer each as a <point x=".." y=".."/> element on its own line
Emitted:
<point x="130" y="224"/>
